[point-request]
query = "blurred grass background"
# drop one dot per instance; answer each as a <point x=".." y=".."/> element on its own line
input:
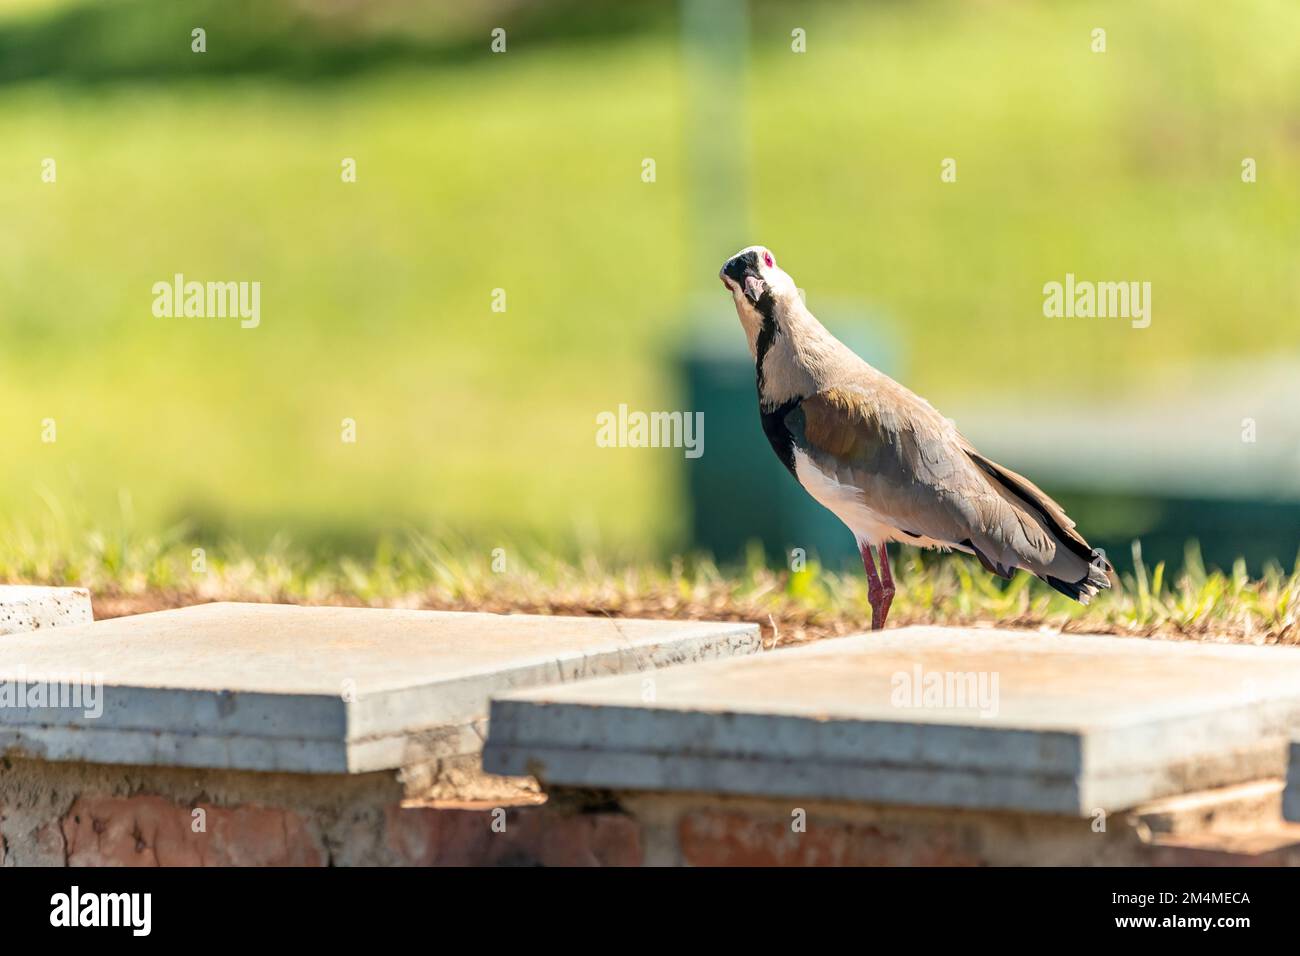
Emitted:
<point x="522" y="171"/>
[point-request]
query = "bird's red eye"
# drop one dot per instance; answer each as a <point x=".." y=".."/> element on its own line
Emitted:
<point x="767" y="260"/>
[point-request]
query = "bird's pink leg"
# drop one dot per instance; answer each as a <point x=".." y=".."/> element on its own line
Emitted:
<point x="875" y="590"/>
<point x="887" y="582"/>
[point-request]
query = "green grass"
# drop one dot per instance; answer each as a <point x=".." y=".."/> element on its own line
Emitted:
<point x="129" y="571"/>
<point x="522" y="172"/>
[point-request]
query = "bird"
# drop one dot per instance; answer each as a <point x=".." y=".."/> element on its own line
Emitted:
<point x="883" y="460"/>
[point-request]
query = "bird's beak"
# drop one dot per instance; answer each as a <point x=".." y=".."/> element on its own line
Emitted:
<point x="741" y="273"/>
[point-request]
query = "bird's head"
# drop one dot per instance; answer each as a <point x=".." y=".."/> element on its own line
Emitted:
<point x="759" y="287"/>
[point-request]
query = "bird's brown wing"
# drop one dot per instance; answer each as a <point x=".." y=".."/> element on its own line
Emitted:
<point x="915" y="469"/>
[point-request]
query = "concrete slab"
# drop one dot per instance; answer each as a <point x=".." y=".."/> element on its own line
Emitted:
<point x="29" y="608"/>
<point x="923" y="716"/>
<point x="1291" y="793"/>
<point x="1253" y="806"/>
<point x="302" y="689"/>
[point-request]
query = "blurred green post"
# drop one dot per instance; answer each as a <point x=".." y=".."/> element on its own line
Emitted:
<point x="715" y="40"/>
<point x="737" y="491"/>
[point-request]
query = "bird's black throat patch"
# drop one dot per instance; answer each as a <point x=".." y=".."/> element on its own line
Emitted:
<point x="778" y="433"/>
<point x="774" y="426"/>
<point x="767" y="333"/>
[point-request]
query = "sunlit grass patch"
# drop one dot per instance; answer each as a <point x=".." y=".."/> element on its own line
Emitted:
<point x="129" y="572"/>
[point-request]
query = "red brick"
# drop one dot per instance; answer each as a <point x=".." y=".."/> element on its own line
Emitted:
<point x="533" y="836"/>
<point x="730" y="838"/>
<point x="145" y="830"/>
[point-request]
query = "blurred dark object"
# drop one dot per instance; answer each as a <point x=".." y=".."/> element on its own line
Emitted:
<point x="1190" y="467"/>
<point x="1206" y="453"/>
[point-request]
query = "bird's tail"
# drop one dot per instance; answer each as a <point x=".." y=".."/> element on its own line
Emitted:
<point x="1085" y="589"/>
<point x="1078" y="570"/>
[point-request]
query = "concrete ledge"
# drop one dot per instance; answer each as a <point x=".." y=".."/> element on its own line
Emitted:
<point x="803" y="723"/>
<point x="1054" y="724"/>
<point x="28" y="608"/>
<point x="1291" y="793"/>
<point x="1240" y="808"/>
<point x="309" y="690"/>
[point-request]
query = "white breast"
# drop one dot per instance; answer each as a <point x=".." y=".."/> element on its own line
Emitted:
<point x="845" y="502"/>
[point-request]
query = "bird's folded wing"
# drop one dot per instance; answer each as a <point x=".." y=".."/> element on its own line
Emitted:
<point x="914" y="469"/>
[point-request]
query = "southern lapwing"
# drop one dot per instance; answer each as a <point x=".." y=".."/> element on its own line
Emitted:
<point x="883" y="460"/>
